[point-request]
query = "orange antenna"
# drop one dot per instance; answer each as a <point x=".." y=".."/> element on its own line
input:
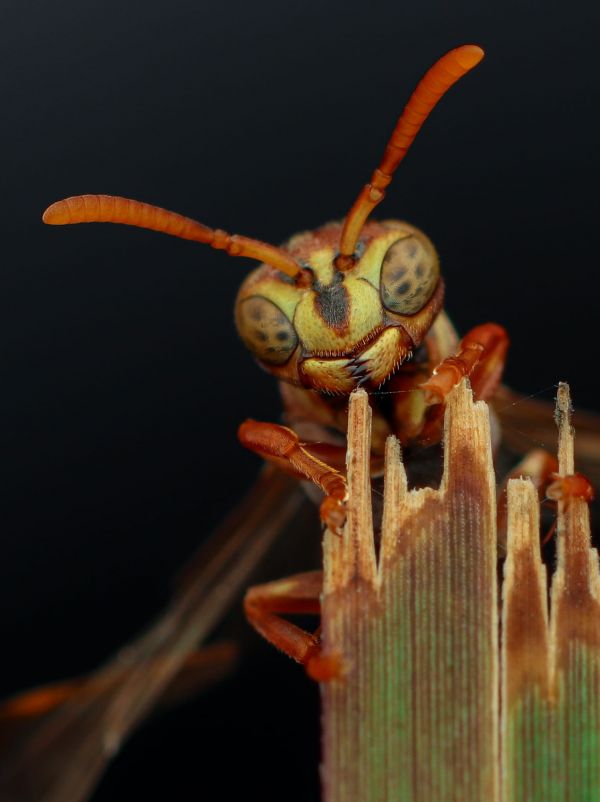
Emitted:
<point x="434" y="84"/>
<point x="112" y="209"/>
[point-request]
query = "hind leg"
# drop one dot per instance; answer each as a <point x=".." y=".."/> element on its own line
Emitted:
<point x="264" y="605"/>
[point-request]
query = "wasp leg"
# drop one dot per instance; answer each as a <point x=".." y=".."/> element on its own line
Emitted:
<point x="573" y="485"/>
<point x="283" y="448"/>
<point x="550" y="533"/>
<point x="316" y="418"/>
<point x="565" y="488"/>
<point x="480" y="356"/>
<point x="297" y="594"/>
<point x="539" y="466"/>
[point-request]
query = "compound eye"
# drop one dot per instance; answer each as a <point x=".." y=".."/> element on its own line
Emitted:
<point x="409" y="275"/>
<point x="265" y="330"/>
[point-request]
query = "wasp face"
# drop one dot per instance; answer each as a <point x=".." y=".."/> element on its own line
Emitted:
<point x="331" y="330"/>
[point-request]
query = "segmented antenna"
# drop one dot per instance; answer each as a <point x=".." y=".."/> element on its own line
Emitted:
<point x="113" y="209"/>
<point x="434" y="84"/>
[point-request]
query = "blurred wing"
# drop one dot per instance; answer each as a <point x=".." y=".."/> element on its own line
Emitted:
<point x="60" y="756"/>
<point x="22" y="715"/>
<point x="529" y="423"/>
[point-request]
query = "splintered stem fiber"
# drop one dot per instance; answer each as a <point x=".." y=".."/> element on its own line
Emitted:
<point x="415" y="717"/>
<point x="439" y="701"/>
<point x="551" y="716"/>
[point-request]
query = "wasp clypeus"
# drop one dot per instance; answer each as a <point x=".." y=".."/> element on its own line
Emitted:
<point x="352" y="303"/>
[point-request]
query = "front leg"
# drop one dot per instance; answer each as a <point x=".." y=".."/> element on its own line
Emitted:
<point x="480" y="356"/>
<point x="282" y="447"/>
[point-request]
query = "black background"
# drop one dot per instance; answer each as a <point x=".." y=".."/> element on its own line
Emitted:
<point x="123" y="379"/>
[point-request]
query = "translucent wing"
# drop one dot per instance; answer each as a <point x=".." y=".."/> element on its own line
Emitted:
<point x="529" y="423"/>
<point x="60" y="756"/>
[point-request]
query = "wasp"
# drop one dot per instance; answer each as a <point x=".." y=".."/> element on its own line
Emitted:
<point x="352" y="303"/>
<point x="356" y="303"/>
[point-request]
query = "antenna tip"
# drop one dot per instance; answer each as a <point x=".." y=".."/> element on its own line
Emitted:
<point x="468" y="56"/>
<point x="55" y="214"/>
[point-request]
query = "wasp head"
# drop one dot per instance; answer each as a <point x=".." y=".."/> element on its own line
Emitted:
<point x="332" y="330"/>
<point x="337" y="307"/>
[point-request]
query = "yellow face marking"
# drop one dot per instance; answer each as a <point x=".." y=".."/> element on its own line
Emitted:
<point x="368" y="266"/>
<point x="382" y="357"/>
<point x="270" y="284"/>
<point x="321" y="262"/>
<point x="330" y="375"/>
<point x="363" y="316"/>
<point x="374" y="364"/>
